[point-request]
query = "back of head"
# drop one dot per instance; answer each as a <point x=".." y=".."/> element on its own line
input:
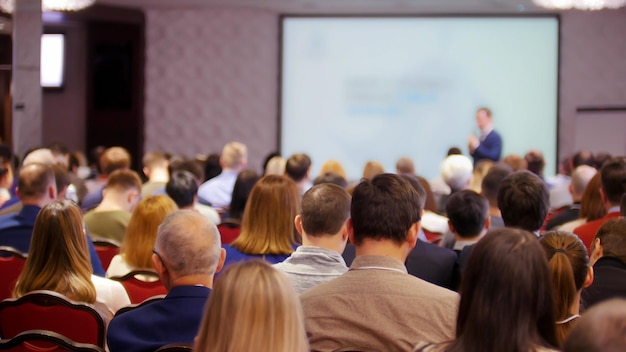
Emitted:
<point x="325" y="209"/>
<point x="114" y="158"/>
<point x="241" y="192"/>
<point x="569" y="264"/>
<point x="467" y="211"/>
<point x="182" y="188"/>
<point x="613" y="177"/>
<point x="580" y="178"/>
<point x="335" y="167"/>
<point x="405" y="166"/>
<point x="187" y="165"/>
<point x="491" y="182"/>
<point x="123" y="180"/>
<point x="535" y="161"/>
<point x="515" y="162"/>
<point x="612" y="235"/>
<point x="602" y="328"/>
<point x="591" y="205"/>
<point x="234" y="155"/>
<point x="384" y="208"/>
<point x="418" y="186"/>
<point x="456" y="171"/>
<point x="583" y="157"/>
<point x="58" y="258"/>
<point x="154" y="159"/>
<point x="523" y="200"/>
<point x="61" y="177"/>
<point x="506" y="290"/>
<point x="331" y="177"/>
<point x="297" y="166"/>
<point x="39" y="156"/>
<point x="275" y="166"/>
<point x="212" y="167"/>
<point x="189" y="244"/>
<point x="142" y="229"/>
<point x="372" y="169"/>
<point x="267" y="226"/>
<point x="34" y="181"/>
<point x="252" y="307"/>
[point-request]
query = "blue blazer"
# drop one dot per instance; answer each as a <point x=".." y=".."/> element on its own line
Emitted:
<point x="176" y="318"/>
<point x="16" y="230"/>
<point x="490" y="148"/>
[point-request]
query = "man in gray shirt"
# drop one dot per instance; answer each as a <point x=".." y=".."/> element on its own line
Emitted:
<point x="322" y="224"/>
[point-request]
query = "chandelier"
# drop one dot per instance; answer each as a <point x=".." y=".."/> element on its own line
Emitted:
<point x="580" y="4"/>
<point x="51" y="5"/>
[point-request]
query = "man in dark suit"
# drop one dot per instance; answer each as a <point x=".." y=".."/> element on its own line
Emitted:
<point x="187" y="254"/>
<point x="489" y="144"/>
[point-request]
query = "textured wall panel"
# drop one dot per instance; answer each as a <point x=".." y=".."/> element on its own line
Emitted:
<point x="211" y="77"/>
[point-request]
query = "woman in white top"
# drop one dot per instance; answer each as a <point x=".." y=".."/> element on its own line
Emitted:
<point x="136" y="249"/>
<point x="58" y="260"/>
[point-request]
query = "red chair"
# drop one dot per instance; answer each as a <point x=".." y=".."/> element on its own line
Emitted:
<point x="433" y="237"/>
<point x="106" y="249"/>
<point x="229" y="231"/>
<point x="48" y="310"/>
<point x="44" y="340"/>
<point x="11" y="264"/>
<point x="139" y="290"/>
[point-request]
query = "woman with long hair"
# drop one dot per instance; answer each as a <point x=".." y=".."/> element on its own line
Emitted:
<point x="506" y="297"/>
<point x="252" y="307"/>
<point x="591" y="205"/>
<point x="570" y="271"/>
<point x="136" y="248"/>
<point x="58" y="260"/>
<point x="267" y="228"/>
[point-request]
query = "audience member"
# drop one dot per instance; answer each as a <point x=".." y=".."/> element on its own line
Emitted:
<point x="480" y="170"/>
<point x="112" y="159"/>
<point x="506" y="299"/>
<point x="600" y="158"/>
<point x="58" y="261"/>
<point x="76" y="189"/>
<point x="599" y="329"/>
<point x="456" y="171"/>
<point x="120" y="196"/>
<point x="489" y="144"/>
<point x="212" y="167"/>
<point x="267" y="229"/>
<point x="322" y="225"/>
<point x="608" y="257"/>
<point x="187" y="255"/>
<point x="61" y="180"/>
<point x="583" y="157"/>
<point x="405" y="166"/>
<point x="335" y="167"/>
<point x="613" y="180"/>
<point x="535" y="162"/>
<point x="384" y="225"/>
<point x="372" y="169"/>
<point x="331" y="177"/>
<point x="515" y="162"/>
<point x="7" y="177"/>
<point x="155" y="167"/>
<point x="241" y="192"/>
<point x="579" y="180"/>
<point x="267" y="159"/>
<point x="36" y="189"/>
<point x="489" y="189"/>
<point x="468" y="212"/>
<point x="141" y="233"/>
<point x="252" y="308"/>
<point x="591" y="205"/>
<point x="570" y="271"/>
<point x="523" y="201"/>
<point x="185" y="176"/>
<point x="275" y="166"/>
<point x="298" y="168"/>
<point x="217" y="191"/>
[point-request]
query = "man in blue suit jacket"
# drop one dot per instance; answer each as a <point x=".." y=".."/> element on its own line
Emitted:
<point x="489" y="144"/>
<point x="36" y="188"/>
<point x="187" y="254"/>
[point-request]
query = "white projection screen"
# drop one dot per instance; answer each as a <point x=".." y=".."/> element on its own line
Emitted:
<point x="356" y="89"/>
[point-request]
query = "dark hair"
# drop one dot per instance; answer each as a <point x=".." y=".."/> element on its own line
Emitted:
<point x="601" y="158"/>
<point x="612" y="235"/>
<point x="613" y="176"/>
<point x="61" y="177"/>
<point x="182" y="188"/>
<point x="583" y="157"/>
<point x="492" y="180"/>
<point x="418" y="187"/>
<point x="297" y="166"/>
<point x="212" y="166"/>
<point x="325" y="209"/>
<point x="58" y="148"/>
<point x="246" y="180"/>
<point x="454" y="151"/>
<point x="568" y="262"/>
<point x="430" y="201"/>
<point x="331" y="177"/>
<point x="523" y="200"/>
<point x="600" y="329"/>
<point x="187" y="165"/>
<point x="384" y="208"/>
<point x="467" y="211"/>
<point x="535" y="161"/>
<point x="506" y="290"/>
<point x="34" y="180"/>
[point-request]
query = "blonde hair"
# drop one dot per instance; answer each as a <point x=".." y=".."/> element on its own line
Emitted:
<point x="142" y="229"/>
<point x="58" y="258"/>
<point x="276" y="166"/>
<point x="252" y="307"/>
<point x="267" y="226"/>
<point x="372" y="169"/>
<point x="480" y="170"/>
<point x="335" y="167"/>
<point x="234" y="154"/>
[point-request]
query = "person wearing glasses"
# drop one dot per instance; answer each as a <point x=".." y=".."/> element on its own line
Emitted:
<point x="187" y="254"/>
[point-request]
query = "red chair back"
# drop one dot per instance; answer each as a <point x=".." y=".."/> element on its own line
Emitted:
<point x="48" y="310"/>
<point x="229" y="231"/>
<point x="106" y="249"/>
<point x="44" y="340"/>
<point x="139" y="290"/>
<point x="11" y="264"/>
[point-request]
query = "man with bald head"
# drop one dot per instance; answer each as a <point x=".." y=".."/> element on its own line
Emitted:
<point x="187" y="254"/>
<point x="36" y="187"/>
